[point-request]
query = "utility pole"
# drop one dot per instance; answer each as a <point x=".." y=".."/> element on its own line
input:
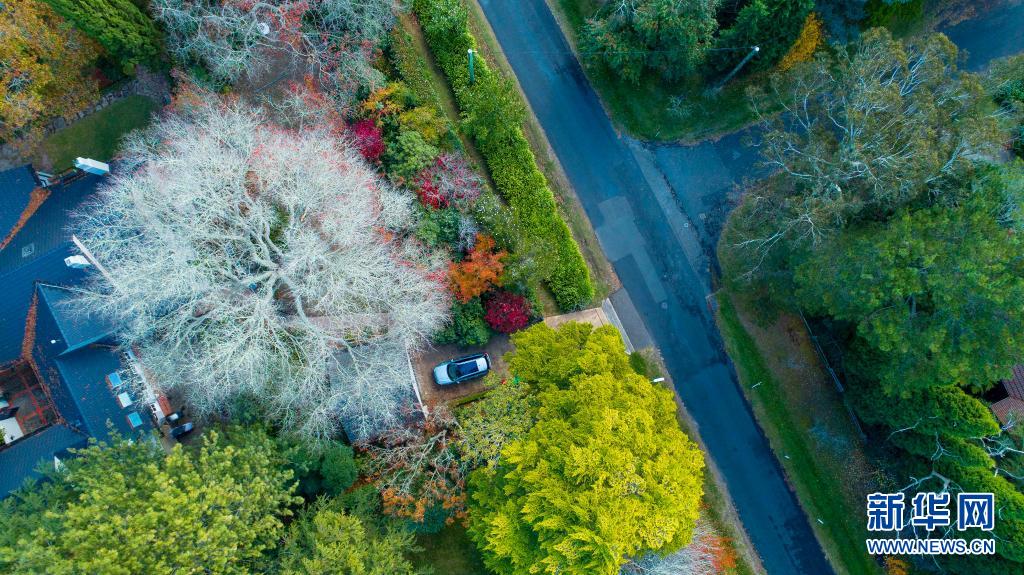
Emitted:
<point x="470" y="53"/>
<point x="753" y="52"/>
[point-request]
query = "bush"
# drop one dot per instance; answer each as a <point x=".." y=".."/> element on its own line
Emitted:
<point x="425" y="121"/>
<point x="408" y="155"/>
<point x="467" y="327"/>
<point x="480" y="271"/>
<point x="369" y="139"/>
<point x="449" y="180"/>
<point x="338" y="468"/>
<point x="440" y="227"/>
<point x="507" y="312"/>
<point x="507" y="152"/>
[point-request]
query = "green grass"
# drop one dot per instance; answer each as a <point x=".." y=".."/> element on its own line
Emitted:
<point x="820" y="484"/>
<point x="656" y="109"/>
<point x="96" y="136"/>
<point x="450" y="552"/>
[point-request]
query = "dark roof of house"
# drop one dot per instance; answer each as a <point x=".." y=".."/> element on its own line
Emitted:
<point x="18" y="287"/>
<point x="84" y="374"/>
<point x="16" y="187"/>
<point x="48" y="226"/>
<point x="77" y="327"/>
<point x="20" y="460"/>
<point x="1015" y="384"/>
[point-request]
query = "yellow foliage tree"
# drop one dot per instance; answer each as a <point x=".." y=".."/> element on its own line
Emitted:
<point x="811" y="36"/>
<point x="42" y="68"/>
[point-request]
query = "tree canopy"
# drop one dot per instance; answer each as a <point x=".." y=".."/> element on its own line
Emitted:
<point x="604" y="474"/>
<point x="666" y="37"/>
<point x="44" y="60"/>
<point x="939" y="293"/>
<point x="129" y="508"/>
<point x="244" y="258"/>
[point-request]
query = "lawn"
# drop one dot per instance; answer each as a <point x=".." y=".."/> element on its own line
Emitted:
<point x="450" y="552"/>
<point x="659" y="110"/>
<point x="807" y="425"/>
<point x="95" y="136"/>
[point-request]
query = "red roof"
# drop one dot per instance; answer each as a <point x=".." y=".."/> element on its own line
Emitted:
<point x="1015" y="385"/>
<point x="1004" y="407"/>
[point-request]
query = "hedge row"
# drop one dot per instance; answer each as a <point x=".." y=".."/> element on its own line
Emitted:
<point x="493" y="116"/>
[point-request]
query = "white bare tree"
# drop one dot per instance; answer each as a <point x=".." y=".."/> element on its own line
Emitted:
<point x="697" y="558"/>
<point x="243" y="258"/>
<point x="235" y="38"/>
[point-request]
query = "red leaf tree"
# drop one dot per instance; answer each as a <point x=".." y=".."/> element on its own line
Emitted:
<point x="507" y="312"/>
<point x="479" y="272"/>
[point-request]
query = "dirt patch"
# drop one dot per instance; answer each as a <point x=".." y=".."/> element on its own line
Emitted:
<point x="423" y="365"/>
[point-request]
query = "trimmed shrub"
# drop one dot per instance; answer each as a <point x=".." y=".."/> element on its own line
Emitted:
<point x="507" y="312"/>
<point x="467" y="327"/>
<point x="491" y="107"/>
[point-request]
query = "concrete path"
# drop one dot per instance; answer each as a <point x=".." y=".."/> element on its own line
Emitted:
<point x="656" y="211"/>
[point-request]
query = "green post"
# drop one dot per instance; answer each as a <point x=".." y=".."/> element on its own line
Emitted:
<point x="471" y="75"/>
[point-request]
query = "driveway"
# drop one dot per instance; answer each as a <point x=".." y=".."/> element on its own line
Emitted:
<point x="657" y="211"/>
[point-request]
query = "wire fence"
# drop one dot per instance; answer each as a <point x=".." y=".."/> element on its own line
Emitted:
<point x="834" y="375"/>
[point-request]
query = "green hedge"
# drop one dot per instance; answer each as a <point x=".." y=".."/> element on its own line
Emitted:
<point x="506" y="151"/>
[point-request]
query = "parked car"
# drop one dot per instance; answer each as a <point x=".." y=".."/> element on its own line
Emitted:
<point x="181" y="430"/>
<point x="462" y="369"/>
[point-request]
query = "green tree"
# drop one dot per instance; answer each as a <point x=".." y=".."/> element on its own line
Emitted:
<point x="504" y="415"/>
<point x="129" y="508"/>
<point x="668" y="37"/>
<point x="326" y="540"/>
<point x="603" y="475"/>
<point x="338" y="468"/>
<point x="771" y="25"/>
<point x="128" y="33"/>
<point x="939" y="293"/>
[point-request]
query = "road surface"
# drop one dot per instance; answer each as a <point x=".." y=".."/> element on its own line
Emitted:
<point x="656" y="211"/>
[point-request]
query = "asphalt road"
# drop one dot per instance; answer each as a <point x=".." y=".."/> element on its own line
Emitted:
<point x="656" y="211"/>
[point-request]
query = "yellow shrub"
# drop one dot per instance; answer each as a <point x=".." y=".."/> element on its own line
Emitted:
<point x="803" y="49"/>
<point x="426" y="121"/>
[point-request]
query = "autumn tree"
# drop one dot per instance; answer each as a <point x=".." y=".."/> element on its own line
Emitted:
<point x="418" y="470"/>
<point x="216" y="510"/>
<point x="328" y="540"/>
<point x="240" y="258"/>
<point x="122" y="28"/>
<point x="603" y="475"/>
<point x="666" y="37"/>
<point x="44" y="69"/>
<point x="479" y="271"/>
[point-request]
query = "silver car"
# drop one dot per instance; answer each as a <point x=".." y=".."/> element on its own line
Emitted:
<point x="462" y="369"/>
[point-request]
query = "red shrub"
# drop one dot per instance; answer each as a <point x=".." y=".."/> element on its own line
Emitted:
<point x="368" y="139"/>
<point x="507" y="312"/>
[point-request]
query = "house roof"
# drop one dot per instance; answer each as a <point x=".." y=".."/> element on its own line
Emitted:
<point x="1015" y="384"/>
<point x="77" y="327"/>
<point x="16" y="185"/>
<point x="1004" y="407"/>
<point x="19" y="460"/>
<point x="48" y="226"/>
<point x="84" y="374"/>
<point x="19" y="285"/>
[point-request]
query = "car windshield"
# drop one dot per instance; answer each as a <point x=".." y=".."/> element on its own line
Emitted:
<point x="452" y="372"/>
